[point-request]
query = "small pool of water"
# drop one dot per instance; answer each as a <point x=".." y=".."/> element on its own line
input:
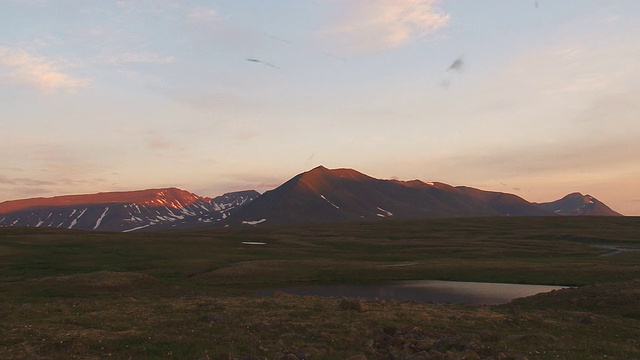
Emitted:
<point x="455" y="292"/>
<point x="615" y="249"/>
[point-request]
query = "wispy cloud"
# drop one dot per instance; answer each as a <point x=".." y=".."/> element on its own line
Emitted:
<point x="375" y="25"/>
<point x="30" y="2"/>
<point x="24" y="181"/>
<point x="19" y="66"/>
<point x="214" y="101"/>
<point x="49" y="171"/>
<point x="147" y="6"/>
<point x="570" y="160"/>
<point x="202" y="15"/>
<point x="158" y="143"/>
<point x="581" y="67"/>
<point x="140" y="58"/>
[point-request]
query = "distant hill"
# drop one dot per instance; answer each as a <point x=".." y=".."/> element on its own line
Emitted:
<point x="580" y="205"/>
<point x="319" y="195"/>
<point x="123" y="211"/>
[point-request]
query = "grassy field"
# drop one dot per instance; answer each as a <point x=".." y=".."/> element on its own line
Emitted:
<point x="190" y="294"/>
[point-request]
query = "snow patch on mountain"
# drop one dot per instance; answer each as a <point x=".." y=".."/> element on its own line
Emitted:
<point x="332" y="204"/>
<point x="75" y="221"/>
<point x="101" y="217"/>
<point x="137" y="228"/>
<point x="254" y="222"/>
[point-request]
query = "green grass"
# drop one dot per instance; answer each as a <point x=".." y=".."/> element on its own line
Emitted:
<point x="189" y="294"/>
<point x="517" y="250"/>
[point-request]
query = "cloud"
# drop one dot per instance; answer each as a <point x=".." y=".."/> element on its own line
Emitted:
<point x="209" y="27"/>
<point x="147" y="6"/>
<point x="22" y="188"/>
<point x="588" y="65"/>
<point x="30" y="2"/>
<point x="24" y="181"/>
<point x="50" y="174"/>
<point x="214" y="101"/>
<point x="376" y="25"/>
<point x="47" y="75"/>
<point x="140" y="58"/>
<point x="159" y="144"/>
<point x="570" y="160"/>
<point x="266" y="185"/>
<point x="201" y="15"/>
<point x="238" y="183"/>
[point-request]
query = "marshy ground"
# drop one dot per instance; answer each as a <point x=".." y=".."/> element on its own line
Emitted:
<point x="191" y="294"/>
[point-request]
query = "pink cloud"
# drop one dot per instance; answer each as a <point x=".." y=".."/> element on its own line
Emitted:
<point x="376" y="25"/>
<point x="44" y="74"/>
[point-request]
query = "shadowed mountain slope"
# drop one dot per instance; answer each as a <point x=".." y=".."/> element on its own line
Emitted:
<point x="319" y="195"/>
<point x="323" y="195"/>
<point x="122" y="211"/>
<point x="578" y="204"/>
<point x="504" y="203"/>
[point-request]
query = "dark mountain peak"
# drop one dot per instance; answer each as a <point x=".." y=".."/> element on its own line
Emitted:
<point x="578" y="204"/>
<point x="319" y="168"/>
<point x="321" y="171"/>
<point x="314" y="175"/>
<point x="323" y="195"/>
<point x="235" y="199"/>
<point x="321" y="178"/>
<point x="574" y="195"/>
<point x="578" y="198"/>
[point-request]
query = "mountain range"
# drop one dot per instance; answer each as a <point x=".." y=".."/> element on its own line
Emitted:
<point x="320" y="195"/>
<point x="123" y="211"/>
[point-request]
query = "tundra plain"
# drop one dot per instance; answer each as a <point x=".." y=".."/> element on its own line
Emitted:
<point x="191" y="294"/>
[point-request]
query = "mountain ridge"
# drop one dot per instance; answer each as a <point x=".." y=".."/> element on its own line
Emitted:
<point x="578" y="204"/>
<point x="123" y="210"/>
<point x="140" y="197"/>
<point x="323" y="195"/>
<point x="319" y="195"/>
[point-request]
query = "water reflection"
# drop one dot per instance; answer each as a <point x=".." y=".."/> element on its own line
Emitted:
<point x="426" y="291"/>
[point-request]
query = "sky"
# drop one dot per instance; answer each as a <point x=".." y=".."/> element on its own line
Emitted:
<point x="536" y="98"/>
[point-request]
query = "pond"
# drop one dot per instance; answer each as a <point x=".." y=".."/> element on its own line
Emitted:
<point x="455" y="292"/>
